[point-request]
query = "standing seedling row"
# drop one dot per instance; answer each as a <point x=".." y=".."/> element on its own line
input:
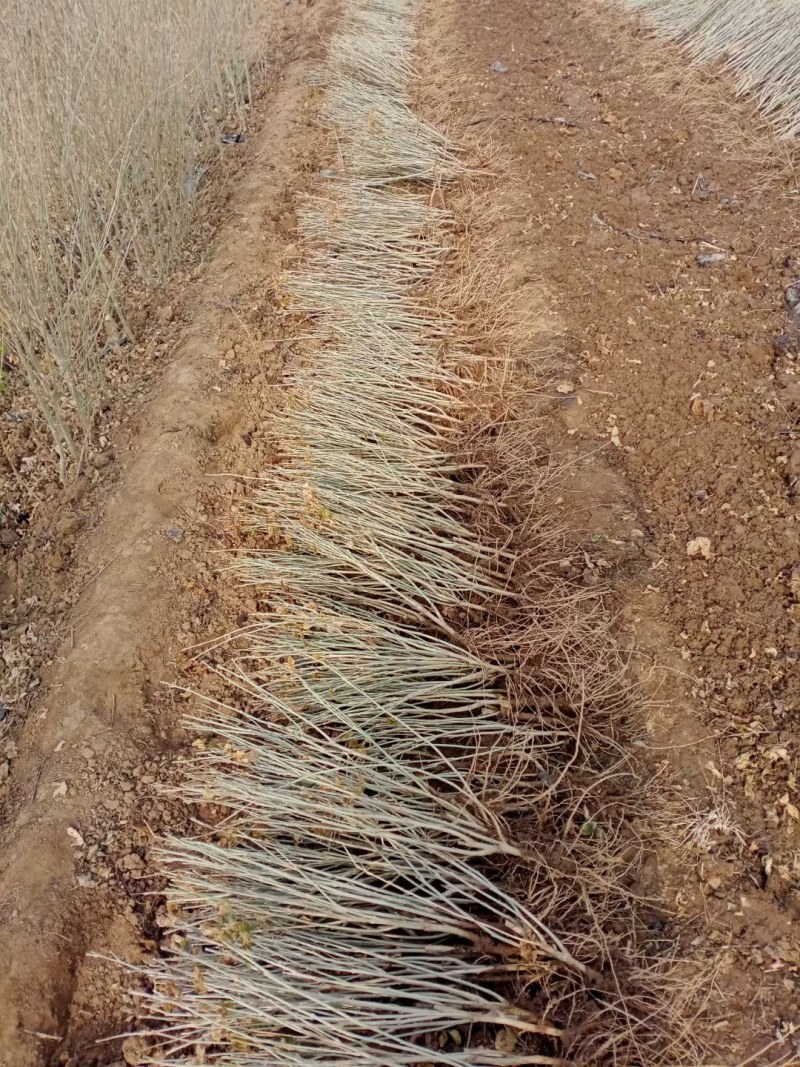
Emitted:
<point x="110" y="115"/>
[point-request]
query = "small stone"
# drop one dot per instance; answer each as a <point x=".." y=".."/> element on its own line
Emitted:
<point x="702" y="407"/>
<point x="498" y="67"/>
<point x="100" y="460"/>
<point x="59" y="790"/>
<point x="786" y="345"/>
<point x="566" y="387"/>
<point x="77" y="490"/>
<point x="758" y="353"/>
<point x="165" y="315"/>
<point x="699" y="546"/>
<point x="8" y="538"/>
<point x="701" y="495"/>
<point x="175" y="533"/>
<point x="131" y="863"/>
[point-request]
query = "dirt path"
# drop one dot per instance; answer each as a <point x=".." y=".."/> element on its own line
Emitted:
<point x="678" y="405"/>
<point x="138" y="555"/>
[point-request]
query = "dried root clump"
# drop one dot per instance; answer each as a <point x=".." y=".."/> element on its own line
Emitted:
<point x="412" y="852"/>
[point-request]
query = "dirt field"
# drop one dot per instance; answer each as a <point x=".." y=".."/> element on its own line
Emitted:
<point x="662" y="245"/>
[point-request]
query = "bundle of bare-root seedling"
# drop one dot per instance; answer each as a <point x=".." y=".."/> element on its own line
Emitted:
<point x="385" y="880"/>
<point x="757" y="43"/>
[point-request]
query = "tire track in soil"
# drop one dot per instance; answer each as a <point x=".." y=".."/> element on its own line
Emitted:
<point x="81" y="810"/>
<point x="679" y="406"/>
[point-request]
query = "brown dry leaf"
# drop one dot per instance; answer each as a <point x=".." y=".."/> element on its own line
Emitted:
<point x="778" y="752"/>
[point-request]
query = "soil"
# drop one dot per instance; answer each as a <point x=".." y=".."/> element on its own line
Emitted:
<point x="667" y="258"/>
<point x="676" y="403"/>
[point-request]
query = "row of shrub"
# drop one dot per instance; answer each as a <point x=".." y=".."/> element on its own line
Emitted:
<point x="108" y="110"/>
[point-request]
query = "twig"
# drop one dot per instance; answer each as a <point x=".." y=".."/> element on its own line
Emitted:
<point x="654" y="235"/>
<point x="42" y="1035"/>
<point x="95" y="576"/>
<point x="556" y="120"/>
<point x="38" y="778"/>
<point x="481" y="118"/>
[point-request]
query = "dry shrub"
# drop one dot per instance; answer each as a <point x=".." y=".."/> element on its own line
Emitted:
<point x="108" y="109"/>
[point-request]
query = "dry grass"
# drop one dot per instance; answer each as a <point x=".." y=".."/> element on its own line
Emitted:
<point x="109" y="108"/>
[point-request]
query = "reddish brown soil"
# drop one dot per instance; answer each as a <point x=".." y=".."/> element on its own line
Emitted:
<point x="109" y="581"/>
<point x="679" y="405"/>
